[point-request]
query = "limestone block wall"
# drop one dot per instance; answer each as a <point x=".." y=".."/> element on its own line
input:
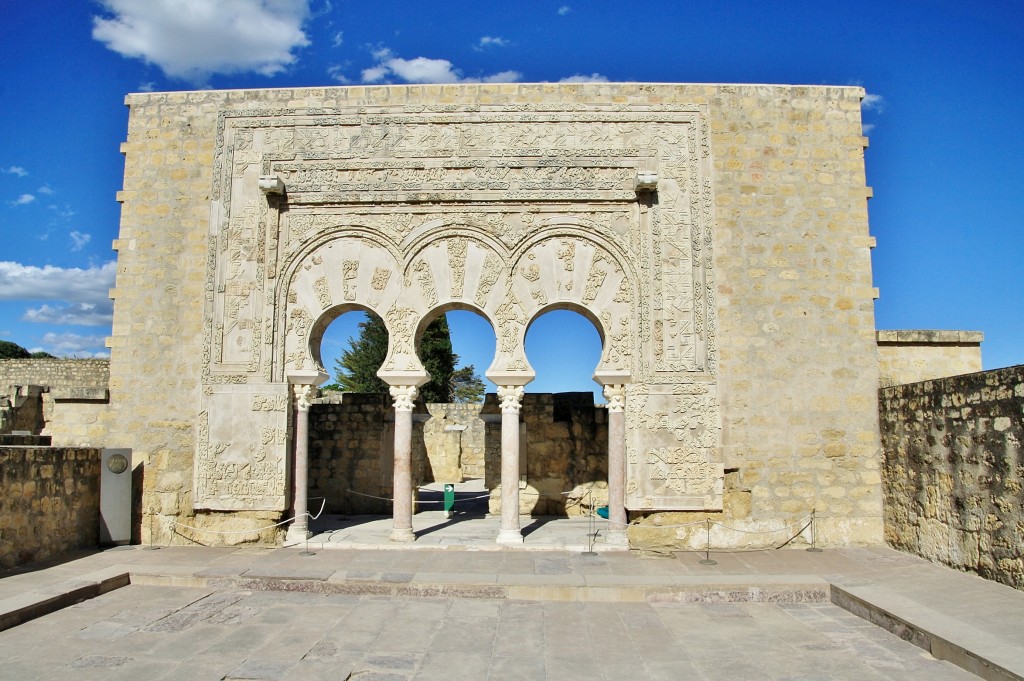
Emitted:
<point x="49" y="502"/>
<point x="783" y="397"/>
<point x="954" y="471"/>
<point x="796" y="332"/>
<point x="921" y="355"/>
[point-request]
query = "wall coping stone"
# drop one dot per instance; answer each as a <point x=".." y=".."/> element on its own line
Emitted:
<point x="929" y="336"/>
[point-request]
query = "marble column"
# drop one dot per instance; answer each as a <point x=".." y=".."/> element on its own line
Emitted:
<point x="616" y="396"/>
<point x="401" y="529"/>
<point x="299" y="529"/>
<point x="511" y="397"/>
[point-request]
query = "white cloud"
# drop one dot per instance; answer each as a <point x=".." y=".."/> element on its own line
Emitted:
<point x="336" y="73"/>
<point x="46" y="190"/>
<point x="66" y="284"/>
<point x="79" y="240"/>
<point x="867" y="127"/>
<point x="491" y="41"/>
<point x="193" y="39"/>
<point x="375" y="74"/>
<point x="580" y="78"/>
<point x="16" y="170"/>
<point x="563" y="10"/>
<point x="148" y="86"/>
<point x="75" y="345"/>
<point x="78" y="314"/>
<point x="24" y="199"/>
<point x="426" y="70"/>
<point x="338" y="39"/>
<point x="873" y="103"/>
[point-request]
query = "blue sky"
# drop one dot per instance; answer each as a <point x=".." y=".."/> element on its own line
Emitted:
<point x="946" y="85"/>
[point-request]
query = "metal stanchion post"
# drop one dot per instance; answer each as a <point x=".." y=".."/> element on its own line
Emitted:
<point x="592" y="534"/>
<point x="150" y="547"/>
<point x="707" y="547"/>
<point x="307" y="552"/>
<point x="812" y="548"/>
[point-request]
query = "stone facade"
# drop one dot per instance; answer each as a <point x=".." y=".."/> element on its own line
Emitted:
<point x="921" y="355"/>
<point x="49" y="502"/>
<point x="954" y="471"/>
<point x="716" y="235"/>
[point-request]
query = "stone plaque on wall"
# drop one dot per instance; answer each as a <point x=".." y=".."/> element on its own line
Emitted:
<point x="241" y="448"/>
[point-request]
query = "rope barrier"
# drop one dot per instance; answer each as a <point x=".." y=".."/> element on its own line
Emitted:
<point x="418" y="501"/>
<point x="323" y="503"/>
<point x="807" y="521"/>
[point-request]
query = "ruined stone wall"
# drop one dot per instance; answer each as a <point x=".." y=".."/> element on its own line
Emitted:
<point x="565" y="449"/>
<point x="61" y="375"/>
<point x="754" y="354"/>
<point x="921" y="355"/>
<point x="350" y="454"/>
<point x="70" y="396"/>
<point x="454" y="438"/>
<point x="49" y="502"/>
<point x="563" y="453"/>
<point x="954" y="471"/>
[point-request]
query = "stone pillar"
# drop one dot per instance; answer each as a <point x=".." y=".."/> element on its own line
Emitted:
<point x="299" y="529"/>
<point x="616" y="396"/>
<point x="401" y="529"/>
<point x="511" y="397"/>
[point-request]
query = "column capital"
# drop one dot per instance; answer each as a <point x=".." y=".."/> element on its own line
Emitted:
<point x="616" y="396"/>
<point x="511" y="397"/>
<point x="404" y="396"/>
<point x="303" y="395"/>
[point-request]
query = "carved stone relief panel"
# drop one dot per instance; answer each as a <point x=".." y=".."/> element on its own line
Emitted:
<point x="566" y="269"/>
<point x="456" y="268"/>
<point x="405" y="208"/>
<point x="341" y="271"/>
<point x="673" y="455"/>
<point x="241" y="448"/>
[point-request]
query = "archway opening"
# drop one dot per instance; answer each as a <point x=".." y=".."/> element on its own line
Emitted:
<point x="351" y="423"/>
<point x="564" y="423"/>
<point x="455" y="438"/>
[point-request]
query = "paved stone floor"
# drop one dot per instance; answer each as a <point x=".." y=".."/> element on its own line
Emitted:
<point x="156" y="632"/>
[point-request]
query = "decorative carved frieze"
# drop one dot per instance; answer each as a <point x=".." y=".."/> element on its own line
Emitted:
<point x="513" y="209"/>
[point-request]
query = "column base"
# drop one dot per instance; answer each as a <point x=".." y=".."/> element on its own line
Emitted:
<point x="297" y="534"/>
<point x="509" y="537"/>
<point x="616" y="538"/>
<point x="402" y="534"/>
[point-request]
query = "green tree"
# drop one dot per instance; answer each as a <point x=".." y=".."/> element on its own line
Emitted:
<point x="467" y="386"/>
<point x="41" y="354"/>
<point x="356" y="369"/>
<point x="9" y="350"/>
<point x="435" y="350"/>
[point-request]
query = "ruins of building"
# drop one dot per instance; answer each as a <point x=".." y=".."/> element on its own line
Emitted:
<point x="715" y="235"/>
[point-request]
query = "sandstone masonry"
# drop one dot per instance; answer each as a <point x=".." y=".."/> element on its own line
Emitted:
<point x="920" y="355"/>
<point x="49" y="502"/>
<point x="954" y="471"/>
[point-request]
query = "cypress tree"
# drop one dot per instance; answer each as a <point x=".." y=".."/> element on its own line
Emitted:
<point x="356" y="369"/>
